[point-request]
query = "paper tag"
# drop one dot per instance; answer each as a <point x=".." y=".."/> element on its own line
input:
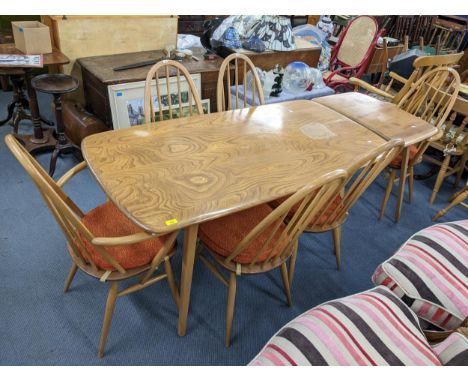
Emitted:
<point x="171" y="222"/>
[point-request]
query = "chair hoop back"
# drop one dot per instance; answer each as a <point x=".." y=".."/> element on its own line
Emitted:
<point x="64" y="210"/>
<point x="358" y="38"/>
<point x="432" y="97"/>
<point x="281" y="236"/>
<point x="225" y="69"/>
<point x="360" y="177"/>
<point x="177" y="107"/>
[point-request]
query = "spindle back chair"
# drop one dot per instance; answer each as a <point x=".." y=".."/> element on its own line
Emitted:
<point x="224" y="83"/>
<point x="170" y="68"/>
<point x="431" y="98"/>
<point x="270" y="239"/>
<point x="83" y="245"/>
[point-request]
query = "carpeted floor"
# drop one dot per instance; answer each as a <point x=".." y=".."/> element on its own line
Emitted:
<point x="40" y="325"/>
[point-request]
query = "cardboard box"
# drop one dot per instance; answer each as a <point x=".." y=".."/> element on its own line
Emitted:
<point x="31" y="37"/>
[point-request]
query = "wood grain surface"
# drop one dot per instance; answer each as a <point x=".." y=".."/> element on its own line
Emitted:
<point x="177" y="173"/>
<point x="383" y="118"/>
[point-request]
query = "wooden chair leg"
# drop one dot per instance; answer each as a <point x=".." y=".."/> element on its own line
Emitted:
<point x="461" y="169"/>
<point x="111" y="298"/>
<point x="70" y="277"/>
<point x="388" y="190"/>
<point x="292" y="264"/>
<point x="410" y="183"/>
<point x="171" y="281"/>
<point x="459" y="198"/>
<point x="401" y="186"/>
<point x="337" y="241"/>
<point x="286" y="285"/>
<point x="230" y="307"/>
<point x="440" y="178"/>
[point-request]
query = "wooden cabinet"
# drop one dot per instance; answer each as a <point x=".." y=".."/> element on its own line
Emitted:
<point x="98" y="74"/>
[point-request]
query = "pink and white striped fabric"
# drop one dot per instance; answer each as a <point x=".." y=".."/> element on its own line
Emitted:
<point x="453" y="351"/>
<point x="430" y="274"/>
<point x="370" y="328"/>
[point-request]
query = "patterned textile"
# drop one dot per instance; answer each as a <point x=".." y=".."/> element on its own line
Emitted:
<point x="275" y="32"/>
<point x="369" y="328"/>
<point x="224" y="234"/>
<point x="106" y="220"/>
<point x="396" y="162"/>
<point x="430" y="273"/>
<point x="453" y="351"/>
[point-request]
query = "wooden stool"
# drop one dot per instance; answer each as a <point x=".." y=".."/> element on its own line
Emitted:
<point x="16" y="109"/>
<point x="57" y="85"/>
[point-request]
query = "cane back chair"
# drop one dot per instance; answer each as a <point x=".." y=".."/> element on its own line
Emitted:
<point x="259" y="239"/>
<point x="353" y="52"/>
<point x="175" y="107"/>
<point x="224" y="87"/>
<point x="103" y="243"/>
<point x="431" y="98"/>
<point x="360" y="177"/>
<point x="421" y="66"/>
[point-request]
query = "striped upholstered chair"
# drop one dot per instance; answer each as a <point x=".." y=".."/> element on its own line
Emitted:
<point x="370" y="328"/>
<point x="430" y="274"/>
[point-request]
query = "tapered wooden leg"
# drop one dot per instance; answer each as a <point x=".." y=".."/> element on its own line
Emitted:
<point x="461" y="196"/>
<point x="410" y="183"/>
<point x="401" y="188"/>
<point x="230" y="307"/>
<point x="388" y="190"/>
<point x="337" y="241"/>
<point x="286" y="285"/>
<point x="440" y="178"/>
<point x="70" y="277"/>
<point x="461" y="169"/>
<point x="190" y="245"/>
<point x="111" y="298"/>
<point x="292" y="264"/>
<point x="171" y="281"/>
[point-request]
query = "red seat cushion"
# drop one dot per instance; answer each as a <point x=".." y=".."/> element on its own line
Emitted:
<point x="396" y="162"/>
<point x="324" y="218"/>
<point x="107" y="221"/>
<point x="223" y="235"/>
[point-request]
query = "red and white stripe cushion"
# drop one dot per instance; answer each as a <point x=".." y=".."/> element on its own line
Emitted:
<point x="369" y="328"/>
<point x="430" y="273"/>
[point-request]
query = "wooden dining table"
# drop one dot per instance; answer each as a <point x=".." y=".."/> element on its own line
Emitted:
<point x="177" y="174"/>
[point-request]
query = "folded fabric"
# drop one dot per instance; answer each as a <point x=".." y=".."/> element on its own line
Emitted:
<point x="430" y="274"/>
<point x="370" y="328"/>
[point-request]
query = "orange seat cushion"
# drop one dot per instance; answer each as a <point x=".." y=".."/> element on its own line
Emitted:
<point x="396" y="162"/>
<point x="106" y="220"/>
<point x="325" y="216"/>
<point x="223" y="235"/>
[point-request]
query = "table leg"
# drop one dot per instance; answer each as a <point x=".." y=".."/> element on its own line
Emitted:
<point x="401" y="188"/>
<point x="190" y="246"/>
<point x="34" y="108"/>
<point x="42" y="139"/>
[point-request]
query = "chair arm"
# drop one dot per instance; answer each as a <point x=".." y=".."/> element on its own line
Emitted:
<point x="123" y="240"/>
<point x="397" y="77"/>
<point x="437" y="136"/>
<point x="357" y="82"/>
<point x="71" y="173"/>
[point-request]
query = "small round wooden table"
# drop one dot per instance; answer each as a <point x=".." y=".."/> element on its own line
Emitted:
<point x="57" y="85"/>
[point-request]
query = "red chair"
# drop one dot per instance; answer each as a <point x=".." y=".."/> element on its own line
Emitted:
<point x="353" y="52"/>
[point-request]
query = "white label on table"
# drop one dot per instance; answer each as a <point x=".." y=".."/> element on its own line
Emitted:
<point x="317" y="131"/>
